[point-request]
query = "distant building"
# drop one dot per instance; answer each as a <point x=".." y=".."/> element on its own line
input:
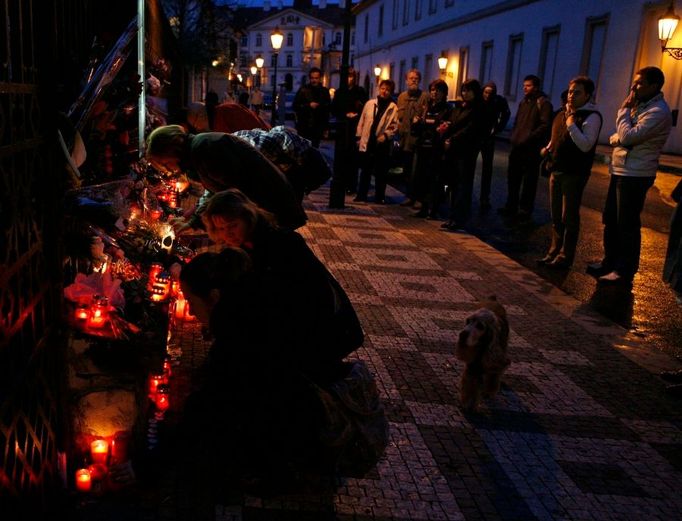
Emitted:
<point x="504" y="41"/>
<point x="313" y="37"/>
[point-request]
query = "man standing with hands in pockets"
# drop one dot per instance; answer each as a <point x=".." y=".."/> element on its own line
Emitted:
<point x="643" y="124"/>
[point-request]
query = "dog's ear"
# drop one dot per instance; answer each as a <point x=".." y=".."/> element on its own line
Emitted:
<point x="495" y="356"/>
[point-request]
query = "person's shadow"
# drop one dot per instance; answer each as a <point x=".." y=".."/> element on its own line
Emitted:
<point x="615" y="302"/>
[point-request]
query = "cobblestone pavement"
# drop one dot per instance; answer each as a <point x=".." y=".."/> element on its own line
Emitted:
<point x="579" y="430"/>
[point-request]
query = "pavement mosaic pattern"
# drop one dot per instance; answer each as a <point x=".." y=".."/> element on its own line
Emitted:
<point x="579" y="431"/>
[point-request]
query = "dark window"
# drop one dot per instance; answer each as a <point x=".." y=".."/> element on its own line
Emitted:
<point x="463" y="69"/>
<point x="290" y="60"/>
<point x="485" y="73"/>
<point x="417" y="9"/>
<point x="366" y="27"/>
<point x="593" y="48"/>
<point x="433" y="6"/>
<point x="244" y="41"/>
<point x="548" y="57"/>
<point x="511" y="78"/>
<point x="290" y="40"/>
<point x="259" y="39"/>
<point x="396" y="14"/>
<point x="406" y="12"/>
<point x="380" y="27"/>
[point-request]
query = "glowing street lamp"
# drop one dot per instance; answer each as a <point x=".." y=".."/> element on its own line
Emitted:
<point x="442" y="63"/>
<point x="276" y="39"/>
<point x="377" y="72"/>
<point x="666" y="28"/>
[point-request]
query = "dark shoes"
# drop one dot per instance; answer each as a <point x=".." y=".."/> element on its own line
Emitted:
<point x="452" y="226"/>
<point x="423" y="213"/>
<point x="597" y="269"/>
<point x="360" y="199"/>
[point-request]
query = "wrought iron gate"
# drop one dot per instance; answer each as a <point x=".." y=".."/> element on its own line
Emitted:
<point x="39" y="41"/>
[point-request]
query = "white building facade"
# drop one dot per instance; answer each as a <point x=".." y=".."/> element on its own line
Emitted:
<point x="313" y="37"/>
<point x="503" y="41"/>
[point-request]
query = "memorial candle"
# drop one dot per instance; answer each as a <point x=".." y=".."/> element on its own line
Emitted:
<point x="154" y="381"/>
<point x="99" y="450"/>
<point x="83" y="480"/>
<point x="161" y="398"/>
<point x="99" y="312"/>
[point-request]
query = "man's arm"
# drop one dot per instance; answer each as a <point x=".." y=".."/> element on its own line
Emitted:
<point x="586" y="137"/>
<point x="649" y="124"/>
<point x="545" y="112"/>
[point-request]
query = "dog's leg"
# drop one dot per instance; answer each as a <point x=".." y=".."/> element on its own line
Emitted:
<point x="469" y="392"/>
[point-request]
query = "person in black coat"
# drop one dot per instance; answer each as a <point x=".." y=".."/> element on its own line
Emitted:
<point x="311" y="106"/>
<point x="497" y="115"/>
<point x="250" y="425"/>
<point x="427" y="187"/>
<point x="310" y="311"/>
<point x="346" y="108"/>
<point x="465" y="132"/>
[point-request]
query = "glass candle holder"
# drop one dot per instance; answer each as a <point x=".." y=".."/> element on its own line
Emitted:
<point x="99" y="451"/>
<point x="83" y="480"/>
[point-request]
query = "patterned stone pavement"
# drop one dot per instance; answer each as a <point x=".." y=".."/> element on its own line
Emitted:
<point x="579" y="430"/>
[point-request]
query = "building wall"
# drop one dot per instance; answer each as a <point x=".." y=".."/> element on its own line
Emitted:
<point x="562" y="37"/>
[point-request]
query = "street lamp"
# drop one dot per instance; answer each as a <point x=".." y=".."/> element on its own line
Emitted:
<point x="442" y="63"/>
<point x="276" y="39"/>
<point x="254" y="70"/>
<point x="260" y="61"/>
<point x="377" y="72"/>
<point x="666" y="27"/>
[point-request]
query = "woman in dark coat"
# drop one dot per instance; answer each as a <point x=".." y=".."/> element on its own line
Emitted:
<point x="465" y="133"/>
<point x="308" y="308"/>
<point x="253" y="422"/>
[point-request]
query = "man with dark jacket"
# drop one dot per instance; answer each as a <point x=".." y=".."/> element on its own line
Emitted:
<point x="529" y="134"/>
<point x="223" y="161"/>
<point x="311" y="106"/>
<point x="497" y="115"/>
<point x="346" y="108"/>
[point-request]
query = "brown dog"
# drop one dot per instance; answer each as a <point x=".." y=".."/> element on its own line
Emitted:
<point x="482" y="346"/>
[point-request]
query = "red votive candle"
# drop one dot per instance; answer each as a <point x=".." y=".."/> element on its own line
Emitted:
<point x="83" y="480"/>
<point x="154" y="381"/>
<point x="161" y="398"/>
<point x="99" y="450"/>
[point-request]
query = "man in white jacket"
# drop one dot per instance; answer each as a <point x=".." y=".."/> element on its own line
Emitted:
<point x="643" y="124"/>
<point x="376" y="128"/>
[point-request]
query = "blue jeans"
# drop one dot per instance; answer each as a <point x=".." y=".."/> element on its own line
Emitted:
<point x="622" y="224"/>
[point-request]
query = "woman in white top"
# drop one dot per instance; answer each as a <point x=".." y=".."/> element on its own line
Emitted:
<point x="376" y="128"/>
